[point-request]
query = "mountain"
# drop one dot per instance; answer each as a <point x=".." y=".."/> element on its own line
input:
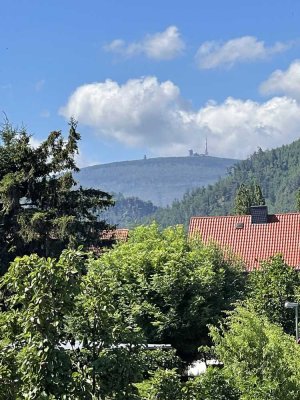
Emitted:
<point x="159" y="180"/>
<point x="277" y="171"/>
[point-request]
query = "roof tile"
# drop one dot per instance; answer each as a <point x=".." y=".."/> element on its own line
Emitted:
<point x="254" y="242"/>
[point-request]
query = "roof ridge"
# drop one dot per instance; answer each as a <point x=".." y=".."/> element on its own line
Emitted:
<point x="241" y="216"/>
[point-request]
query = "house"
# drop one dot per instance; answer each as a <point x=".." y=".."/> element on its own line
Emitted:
<point x="109" y="238"/>
<point x="115" y="235"/>
<point x="254" y="237"/>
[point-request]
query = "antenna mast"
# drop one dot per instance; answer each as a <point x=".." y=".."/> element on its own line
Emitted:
<point x="206" y="149"/>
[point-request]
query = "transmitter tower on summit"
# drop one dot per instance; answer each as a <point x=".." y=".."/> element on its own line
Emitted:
<point x="206" y="148"/>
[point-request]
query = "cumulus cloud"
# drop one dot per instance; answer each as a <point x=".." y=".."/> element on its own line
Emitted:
<point x="34" y="142"/>
<point x="148" y="113"/>
<point x="164" y="45"/>
<point x="131" y="112"/>
<point x="215" y="54"/>
<point x="284" y="82"/>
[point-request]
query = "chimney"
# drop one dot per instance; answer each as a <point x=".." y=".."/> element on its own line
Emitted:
<point x="259" y="214"/>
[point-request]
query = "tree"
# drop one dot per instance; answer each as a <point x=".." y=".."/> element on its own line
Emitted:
<point x="269" y="287"/>
<point x="258" y="198"/>
<point x="242" y="202"/>
<point x="112" y="343"/>
<point x="260" y="360"/>
<point x="167" y="384"/>
<point x="37" y="295"/>
<point x="163" y="385"/>
<point x="41" y="209"/>
<point x="68" y="330"/>
<point x="179" y="286"/>
<point x="211" y="385"/>
<point x="247" y="196"/>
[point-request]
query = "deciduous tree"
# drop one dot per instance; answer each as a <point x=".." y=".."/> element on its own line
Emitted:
<point x="180" y="286"/>
<point x="261" y="361"/>
<point x="269" y="287"/>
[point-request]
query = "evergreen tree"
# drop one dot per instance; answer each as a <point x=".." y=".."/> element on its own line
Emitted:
<point x="242" y="202"/>
<point x="258" y="198"/>
<point x="41" y="209"/>
<point x="247" y="196"/>
<point x="298" y="200"/>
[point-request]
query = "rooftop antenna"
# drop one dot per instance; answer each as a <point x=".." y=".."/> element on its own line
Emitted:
<point x="206" y="149"/>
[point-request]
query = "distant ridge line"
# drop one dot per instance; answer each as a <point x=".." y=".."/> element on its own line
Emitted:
<point x="159" y="179"/>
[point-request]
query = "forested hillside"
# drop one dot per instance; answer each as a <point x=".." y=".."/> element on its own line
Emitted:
<point x="277" y="171"/>
<point x="159" y="180"/>
<point x="128" y="211"/>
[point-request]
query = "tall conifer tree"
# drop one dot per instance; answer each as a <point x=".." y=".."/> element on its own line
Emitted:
<point x="42" y="210"/>
<point x="247" y="196"/>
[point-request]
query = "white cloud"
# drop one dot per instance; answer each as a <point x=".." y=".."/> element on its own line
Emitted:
<point x="140" y="108"/>
<point x="148" y="113"/>
<point x="83" y="160"/>
<point x="34" y="142"/>
<point x="284" y="82"/>
<point x="215" y="54"/>
<point x="164" y="45"/>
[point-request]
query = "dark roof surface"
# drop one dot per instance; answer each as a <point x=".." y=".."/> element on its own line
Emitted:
<point x="253" y="242"/>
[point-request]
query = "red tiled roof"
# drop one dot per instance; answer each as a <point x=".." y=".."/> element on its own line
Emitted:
<point x="254" y="242"/>
<point x="116" y="234"/>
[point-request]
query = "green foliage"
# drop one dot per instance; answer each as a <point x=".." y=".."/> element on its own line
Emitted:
<point x="258" y="198"/>
<point x="179" y="286"/>
<point x="112" y="341"/>
<point x="128" y="211"/>
<point x="163" y="385"/>
<point x="38" y="294"/>
<point x="261" y="361"/>
<point x="298" y="200"/>
<point x="212" y="385"/>
<point x="68" y="329"/>
<point x="166" y="384"/>
<point x="242" y="202"/>
<point x="268" y="289"/>
<point x="41" y="209"/>
<point x="247" y="196"/>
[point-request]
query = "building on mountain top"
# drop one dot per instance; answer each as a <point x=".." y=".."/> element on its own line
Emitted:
<point x="254" y="237"/>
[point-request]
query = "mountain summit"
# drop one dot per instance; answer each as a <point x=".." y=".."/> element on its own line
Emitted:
<point x="160" y="180"/>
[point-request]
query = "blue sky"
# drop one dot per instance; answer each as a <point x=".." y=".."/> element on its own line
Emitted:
<point x="153" y="77"/>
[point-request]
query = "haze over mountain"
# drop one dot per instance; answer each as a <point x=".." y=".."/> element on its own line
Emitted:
<point x="160" y="180"/>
